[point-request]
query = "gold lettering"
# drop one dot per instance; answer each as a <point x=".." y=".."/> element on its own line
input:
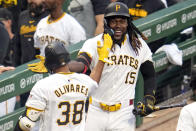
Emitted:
<point x="57" y="93"/>
<point x="67" y="87"/>
<point x="86" y="93"/>
<point x="77" y="88"/>
<point x="72" y="88"/>
<point x="61" y="91"/>
<point x="117" y="7"/>
<point x="126" y="58"/>
<point x="47" y="39"/>
<point x="64" y="89"/>
<point x="57" y="40"/>
<point x="82" y="89"/>
<point x="120" y="60"/>
<point x="51" y="39"/>
<point x="138" y="12"/>
<point x="27" y="29"/>
<point x="131" y="61"/>
<point x="113" y="58"/>
<point x="136" y="64"/>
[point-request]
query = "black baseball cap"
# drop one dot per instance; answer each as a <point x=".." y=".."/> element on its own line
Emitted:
<point x="5" y="14"/>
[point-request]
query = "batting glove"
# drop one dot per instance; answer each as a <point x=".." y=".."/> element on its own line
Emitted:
<point x="104" y="48"/>
<point x="38" y="67"/>
<point x="147" y="106"/>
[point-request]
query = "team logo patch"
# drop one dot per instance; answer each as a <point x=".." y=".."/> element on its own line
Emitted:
<point x="117" y="8"/>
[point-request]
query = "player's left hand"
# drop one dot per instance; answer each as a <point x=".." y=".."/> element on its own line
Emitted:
<point x="38" y="67"/>
<point x="147" y="106"/>
<point x="104" y="48"/>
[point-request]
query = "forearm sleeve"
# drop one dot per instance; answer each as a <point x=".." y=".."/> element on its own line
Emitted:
<point x="149" y="76"/>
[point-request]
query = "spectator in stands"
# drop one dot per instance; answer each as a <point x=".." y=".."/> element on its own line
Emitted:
<point x="14" y="6"/>
<point x="6" y="19"/>
<point x="4" y="37"/>
<point x="82" y="11"/>
<point x="99" y="8"/>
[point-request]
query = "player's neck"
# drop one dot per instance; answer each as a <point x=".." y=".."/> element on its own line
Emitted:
<point x="64" y="69"/>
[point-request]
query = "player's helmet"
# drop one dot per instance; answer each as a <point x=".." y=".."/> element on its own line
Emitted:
<point x="56" y="56"/>
<point x="116" y="9"/>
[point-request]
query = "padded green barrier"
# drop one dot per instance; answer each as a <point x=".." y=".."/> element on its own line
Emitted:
<point x="168" y="21"/>
<point x="8" y="122"/>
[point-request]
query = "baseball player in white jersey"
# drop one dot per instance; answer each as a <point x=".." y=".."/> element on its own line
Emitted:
<point x="59" y="100"/>
<point x="112" y="103"/>
<point x="187" y="118"/>
<point x="58" y="26"/>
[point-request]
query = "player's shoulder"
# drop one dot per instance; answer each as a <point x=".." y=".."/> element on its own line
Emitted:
<point x="142" y="41"/>
<point x="68" y="16"/>
<point x="94" y="39"/>
<point x="24" y="13"/>
<point x="45" y="80"/>
<point x="44" y="20"/>
<point x="191" y="106"/>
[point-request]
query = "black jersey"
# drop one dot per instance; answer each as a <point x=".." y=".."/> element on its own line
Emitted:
<point x="4" y="43"/>
<point x="142" y="8"/>
<point x="27" y="27"/>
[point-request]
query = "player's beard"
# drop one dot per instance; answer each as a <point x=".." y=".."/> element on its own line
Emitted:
<point x="51" y="8"/>
<point x="35" y="10"/>
<point x="120" y="40"/>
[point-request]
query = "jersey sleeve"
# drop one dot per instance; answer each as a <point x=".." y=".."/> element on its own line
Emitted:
<point x="77" y="32"/>
<point x="36" y="41"/>
<point x="90" y="48"/>
<point x="92" y="85"/>
<point x="185" y="121"/>
<point x="146" y="52"/>
<point x="38" y="97"/>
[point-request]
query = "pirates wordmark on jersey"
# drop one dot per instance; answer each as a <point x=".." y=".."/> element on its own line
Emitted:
<point x="49" y="39"/>
<point x="71" y="88"/>
<point x="124" y="60"/>
<point x="25" y="29"/>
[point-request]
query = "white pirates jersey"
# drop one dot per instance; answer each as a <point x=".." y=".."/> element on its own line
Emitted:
<point x="65" y="29"/>
<point x="187" y="118"/>
<point x="118" y="80"/>
<point x="62" y="98"/>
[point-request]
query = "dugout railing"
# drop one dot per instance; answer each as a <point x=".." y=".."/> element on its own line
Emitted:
<point x="155" y="26"/>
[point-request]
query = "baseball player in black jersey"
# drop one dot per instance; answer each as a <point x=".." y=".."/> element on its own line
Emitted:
<point x="28" y="20"/>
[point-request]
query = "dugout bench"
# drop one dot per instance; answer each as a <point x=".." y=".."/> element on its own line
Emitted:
<point x="155" y="26"/>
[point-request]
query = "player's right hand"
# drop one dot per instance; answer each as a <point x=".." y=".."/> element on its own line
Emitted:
<point x="104" y="48"/>
<point x="38" y="67"/>
<point x="147" y="106"/>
